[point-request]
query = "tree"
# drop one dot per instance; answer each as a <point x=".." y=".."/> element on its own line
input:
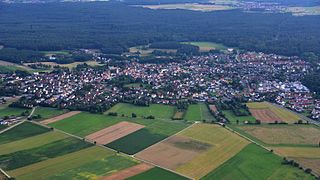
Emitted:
<point x="133" y="115"/>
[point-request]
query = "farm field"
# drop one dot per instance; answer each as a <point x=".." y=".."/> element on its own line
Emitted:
<point x="146" y="51"/>
<point x="282" y="135"/>
<point x="46" y="112"/>
<point x="21" y="131"/>
<point x="190" y="6"/>
<point x="60" y="117"/>
<point x="157" y="174"/>
<point x="154" y="131"/>
<point x="207" y="46"/>
<point x="9" y="111"/>
<point x="129" y="172"/>
<point x="188" y="152"/>
<point x="31" y="142"/>
<point x="253" y="162"/>
<point x="92" y="162"/>
<point x="114" y="132"/>
<point x="70" y="66"/>
<point x="198" y="112"/>
<point x="266" y="112"/>
<point x="85" y="123"/>
<point x="54" y="149"/>
<point x="233" y="118"/>
<point x="157" y="110"/>
<point x="308" y="157"/>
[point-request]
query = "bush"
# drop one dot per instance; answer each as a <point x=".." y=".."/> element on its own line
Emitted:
<point x="308" y="170"/>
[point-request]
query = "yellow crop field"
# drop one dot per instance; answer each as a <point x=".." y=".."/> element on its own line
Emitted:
<point x="284" y="134"/>
<point x="282" y="113"/>
<point x="225" y="145"/>
<point x="304" y="152"/>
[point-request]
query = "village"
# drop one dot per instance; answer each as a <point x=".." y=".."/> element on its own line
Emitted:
<point x="248" y="76"/>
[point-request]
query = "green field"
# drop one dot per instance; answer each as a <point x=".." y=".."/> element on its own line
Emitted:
<point x="89" y="163"/>
<point x="85" y="123"/>
<point x="51" y="150"/>
<point x="207" y="46"/>
<point x="198" y="112"/>
<point x="11" y="69"/>
<point x="47" y="112"/>
<point x="159" y="111"/>
<point x="31" y="142"/>
<point x="233" y="118"/>
<point x="253" y="162"/>
<point x="2" y="126"/>
<point x="24" y="130"/>
<point x="9" y="111"/>
<point x="157" y="174"/>
<point x="155" y="131"/>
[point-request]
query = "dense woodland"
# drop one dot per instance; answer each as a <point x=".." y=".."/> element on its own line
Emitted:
<point x="104" y="25"/>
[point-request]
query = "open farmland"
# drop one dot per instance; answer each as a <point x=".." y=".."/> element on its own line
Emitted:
<point x="192" y="151"/>
<point x="146" y="51"/>
<point x="10" y="111"/>
<point x="31" y="142"/>
<point x="266" y="112"/>
<point x="129" y="172"/>
<point x="92" y="162"/>
<point x="21" y="131"/>
<point x="308" y="157"/>
<point x="253" y="162"/>
<point x="157" y="174"/>
<point x="283" y="135"/>
<point x="114" y="132"/>
<point x="207" y="46"/>
<point x="60" y="117"/>
<point x="198" y="112"/>
<point x="70" y="65"/>
<point x="159" y="111"/>
<point x="190" y="6"/>
<point x="83" y="124"/>
<point x="46" y="112"/>
<point x="26" y="157"/>
<point x="233" y="118"/>
<point x="154" y="131"/>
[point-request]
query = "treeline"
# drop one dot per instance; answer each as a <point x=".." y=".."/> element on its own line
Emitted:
<point x="18" y="56"/>
<point x="103" y="25"/>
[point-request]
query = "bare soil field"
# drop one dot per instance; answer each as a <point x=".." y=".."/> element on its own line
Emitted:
<point x="60" y="117"/>
<point x="129" y="172"/>
<point x="173" y="152"/>
<point x="265" y="115"/>
<point x="114" y="132"/>
<point x="285" y="134"/>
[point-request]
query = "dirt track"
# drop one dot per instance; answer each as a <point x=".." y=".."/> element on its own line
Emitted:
<point x="126" y="173"/>
<point x="60" y="117"/>
<point x="114" y="132"/>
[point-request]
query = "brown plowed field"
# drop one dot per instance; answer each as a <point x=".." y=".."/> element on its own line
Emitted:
<point x="265" y="115"/>
<point x="114" y="132"/>
<point x="126" y="173"/>
<point x="58" y="118"/>
<point x="173" y="152"/>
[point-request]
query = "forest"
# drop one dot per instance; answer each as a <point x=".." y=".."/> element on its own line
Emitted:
<point x="105" y="26"/>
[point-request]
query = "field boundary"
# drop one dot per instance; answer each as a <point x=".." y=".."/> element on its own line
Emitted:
<point x="3" y="172"/>
<point x="8" y="128"/>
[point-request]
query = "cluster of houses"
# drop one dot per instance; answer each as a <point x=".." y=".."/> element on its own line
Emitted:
<point x="199" y="78"/>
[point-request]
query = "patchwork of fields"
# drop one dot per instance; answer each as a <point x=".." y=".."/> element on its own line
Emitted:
<point x="193" y="152"/>
<point x="161" y="148"/>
